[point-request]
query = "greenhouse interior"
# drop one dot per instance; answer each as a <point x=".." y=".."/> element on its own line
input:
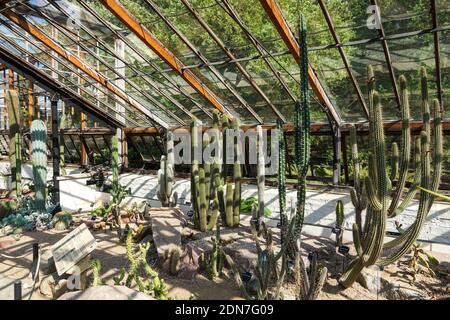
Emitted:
<point x="224" y="150"/>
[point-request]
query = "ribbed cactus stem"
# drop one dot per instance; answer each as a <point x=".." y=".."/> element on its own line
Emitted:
<point x="38" y="132"/>
<point x="394" y="161"/>
<point x="115" y="159"/>
<point x="282" y="178"/>
<point x="15" y="142"/>
<point x="237" y="175"/>
<point x="260" y="172"/>
<point x="340" y="216"/>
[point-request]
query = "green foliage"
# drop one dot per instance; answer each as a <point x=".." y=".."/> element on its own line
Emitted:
<point x="247" y="207"/>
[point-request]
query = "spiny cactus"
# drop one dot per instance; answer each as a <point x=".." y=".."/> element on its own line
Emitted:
<point x="15" y="141"/>
<point x="384" y="199"/>
<point x="340" y="215"/>
<point x="209" y="197"/>
<point x="166" y="175"/>
<point x="39" y="160"/>
<point x="270" y="278"/>
<point x="96" y="267"/>
<point x="357" y="194"/>
<point x="202" y="188"/>
<point x="213" y="263"/>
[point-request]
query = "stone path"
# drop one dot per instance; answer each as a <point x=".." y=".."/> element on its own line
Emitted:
<point x="166" y="228"/>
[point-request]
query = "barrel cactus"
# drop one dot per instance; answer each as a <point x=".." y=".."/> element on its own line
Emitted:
<point x="386" y="200"/>
<point x="39" y="160"/>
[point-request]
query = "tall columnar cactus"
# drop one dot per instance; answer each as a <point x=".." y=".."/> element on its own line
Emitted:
<point x="260" y="173"/>
<point x="339" y="228"/>
<point x="15" y="141"/>
<point x="357" y="194"/>
<point x="203" y="188"/>
<point x="384" y="199"/>
<point x="166" y="174"/>
<point x="39" y="160"/>
<point x="282" y="177"/>
<point x="62" y="162"/>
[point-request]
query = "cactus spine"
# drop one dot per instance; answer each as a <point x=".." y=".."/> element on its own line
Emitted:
<point x="15" y="143"/>
<point x="370" y="246"/>
<point x="39" y="160"/>
<point x="166" y="174"/>
<point x="339" y="222"/>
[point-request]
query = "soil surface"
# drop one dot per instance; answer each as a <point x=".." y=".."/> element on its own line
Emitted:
<point x="16" y="260"/>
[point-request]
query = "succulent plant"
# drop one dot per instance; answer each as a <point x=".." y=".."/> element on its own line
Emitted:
<point x="384" y="199"/>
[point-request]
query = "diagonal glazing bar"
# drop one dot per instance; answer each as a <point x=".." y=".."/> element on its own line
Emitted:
<point x="110" y="68"/>
<point x="47" y="82"/>
<point x="129" y="66"/>
<point x="151" y="63"/>
<point x="258" y="46"/>
<point x="74" y="87"/>
<point x="274" y="12"/>
<point x="39" y="35"/>
<point x="149" y="39"/>
<point x="214" y="70"/>
<point x="231" y="56"/>
<point x="387" y="53"/>
<point x="336" y="39"/>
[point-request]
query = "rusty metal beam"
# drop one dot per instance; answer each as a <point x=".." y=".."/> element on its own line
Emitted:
<point x="387" y="55"/>
<point x="168" y="57"/>
<point x="79" y="64"/>
<point x="274" y="12"/>
<point x="197" y="52"/>
<point x="437" y="55"/>
<point x="231" y="56"/>
<point x="347" y="65"/>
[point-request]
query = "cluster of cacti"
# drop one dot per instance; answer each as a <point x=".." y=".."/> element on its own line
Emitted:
<point x="208" y="180"/>
<point x="137" y="262"/>
<point x="384" y="199"/>
<point x="15" y="141"/>
<point x="269" y="276"/>
<point x="39" y="160"/>
<point x="339" y="227"/>
<point x="212" y="263"/>
<point x="357" y="194"/>
<point x="62" y="221"/>
<point x="166" y="175"/>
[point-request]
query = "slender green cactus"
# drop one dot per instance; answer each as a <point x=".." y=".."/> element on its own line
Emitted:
<point x="39" y="160"/>
<point x="15" y="144"/>
<point x="384" y="204"/>
<point x="357" y="194"/>
<point x="340" y="215"/>
<point x="62" y="162"/>
<point x="203" y="186"/>
<point x="166" y="175"/>
<point x="260" y="173"/>
<point x="213" y="263"/>
<point x="282" y="177"/>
